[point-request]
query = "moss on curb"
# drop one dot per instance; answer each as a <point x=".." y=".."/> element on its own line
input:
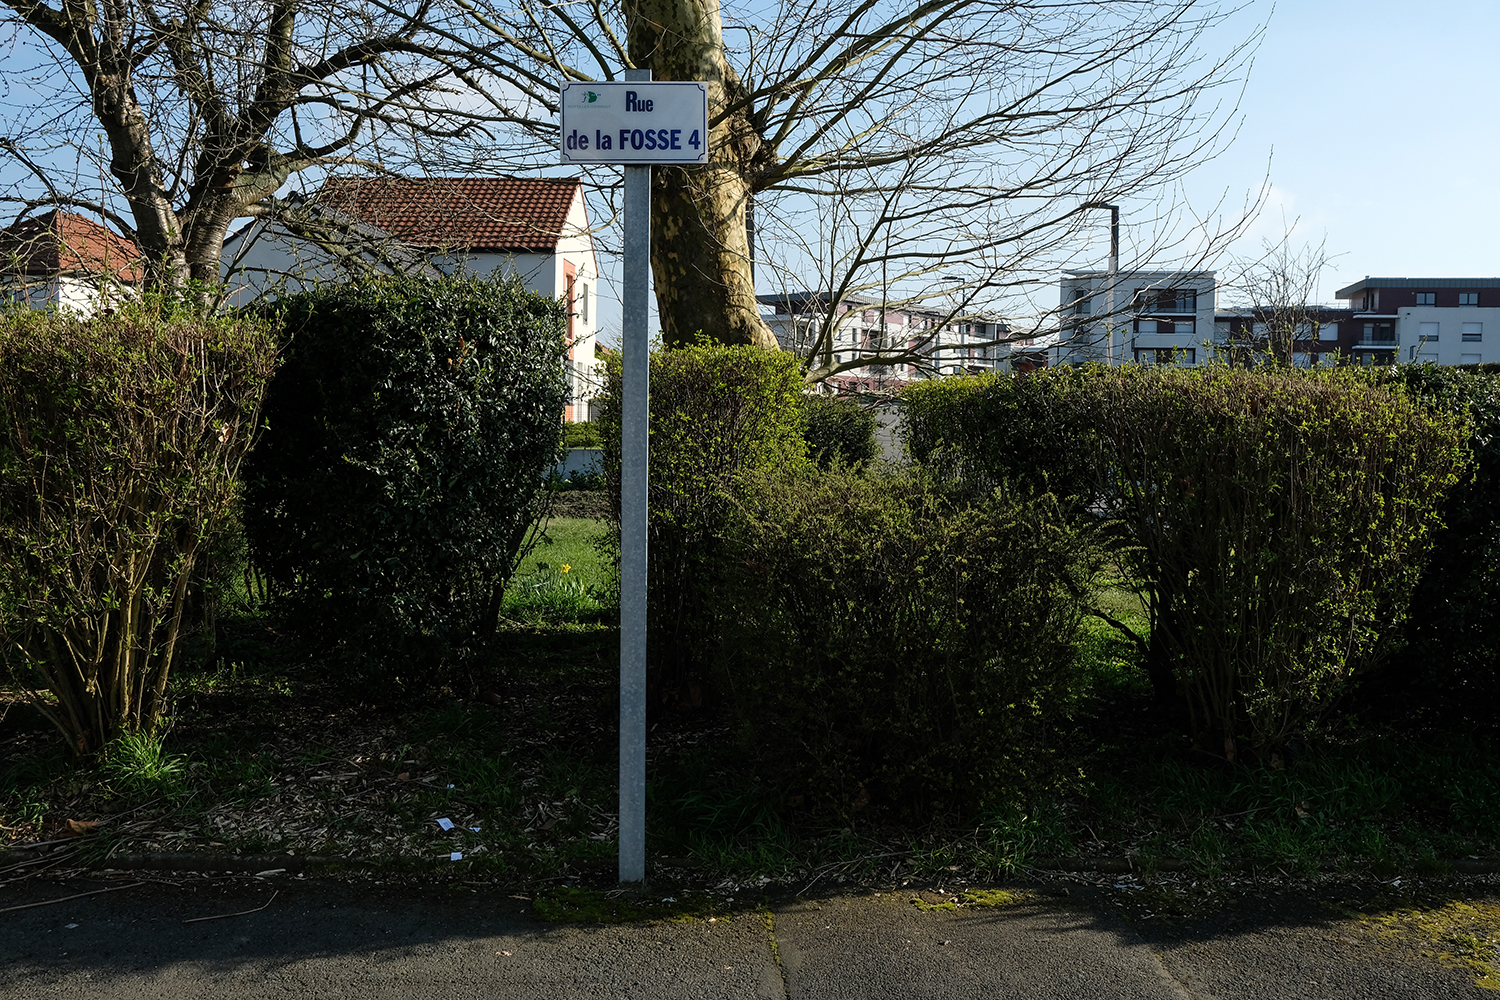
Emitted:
<point x="1460" y="934"/>
<point x="971" y="899"/>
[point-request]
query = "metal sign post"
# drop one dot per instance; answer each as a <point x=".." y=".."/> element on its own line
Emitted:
<point x="636" y="123"/>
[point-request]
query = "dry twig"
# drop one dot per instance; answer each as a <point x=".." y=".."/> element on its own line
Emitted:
<point x="238" y="913"/>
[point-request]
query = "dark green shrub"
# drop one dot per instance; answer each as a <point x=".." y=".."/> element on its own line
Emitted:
<point x="120" y="444"/>
<point x="582" y="434"/>
<point x="1034" y="431"/>
<point x="717" y="413"/>
<point x="1451" y="660"/>
<point x="886" y="648"/>
<point x="838" y="430"/>
<point x="411" y="429"/>
<point x="1277" y="517"/>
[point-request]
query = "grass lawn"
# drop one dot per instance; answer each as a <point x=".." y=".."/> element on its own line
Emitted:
<point x="565" y="576"/>
<point x="267" y="755"/>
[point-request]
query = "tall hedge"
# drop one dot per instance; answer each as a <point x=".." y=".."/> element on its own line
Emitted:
<point x="1279" y="518"/>
<point x="717" y="414"/>
<point x="1450" y="665"/>
<point x="889" y="651"/>
<point x="120" y="441"/>
<point x="410" y="430"/>
<point x="838" y="430"/>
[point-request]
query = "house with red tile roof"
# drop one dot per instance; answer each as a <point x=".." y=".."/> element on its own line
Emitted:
<point x="67" y="261"/>
<point x="533" y="227"/>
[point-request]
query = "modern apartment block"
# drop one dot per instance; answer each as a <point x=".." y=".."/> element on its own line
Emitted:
<point x="1149" y="317"/>
<point x="1167" y="317"/>
<point x="866" y="328"/>
<point x="1449" y="321"/>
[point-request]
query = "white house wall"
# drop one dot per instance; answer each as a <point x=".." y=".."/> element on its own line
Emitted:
<point x="1450" y="348"/>
<point x="265" y="259"/>
<point x="78" y="295"/>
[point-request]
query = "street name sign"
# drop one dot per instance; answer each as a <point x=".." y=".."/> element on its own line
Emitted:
<point x="634" y="122"/>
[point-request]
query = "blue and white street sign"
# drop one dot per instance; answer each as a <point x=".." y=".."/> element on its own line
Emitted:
<point x="634" y="122"/>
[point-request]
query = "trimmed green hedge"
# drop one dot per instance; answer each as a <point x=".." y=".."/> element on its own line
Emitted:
<point x="1451" y="663"/>
<point x="1277" y="518"/>
<point x="411" y="430"/>
<point x="717" y="414"/>
<point x="838" y="430"/>
<point x="888" y="651"/>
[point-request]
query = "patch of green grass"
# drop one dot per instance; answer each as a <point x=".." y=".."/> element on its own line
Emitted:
<point x="1370" y="802"/>
<point x="137" y="764"/>
<point x="566" y="578"/>
<point x="571" y="541"/>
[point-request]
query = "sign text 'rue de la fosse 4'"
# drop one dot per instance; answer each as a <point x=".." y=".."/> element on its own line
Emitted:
<point x="634" y="122"/>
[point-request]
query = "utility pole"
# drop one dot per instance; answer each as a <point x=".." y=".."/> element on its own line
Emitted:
<point x="1113" y="279"/>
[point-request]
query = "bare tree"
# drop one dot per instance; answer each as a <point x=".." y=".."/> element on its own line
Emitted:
<point x="202" y="111"/>
<point x="894" y="141"/>
<point x="1279" y="290"/>
<point x="945" y="137"/>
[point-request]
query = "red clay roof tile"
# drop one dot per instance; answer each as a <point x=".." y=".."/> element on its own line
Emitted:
<point x="60" y="242"/>
<point x="476" y="214"/>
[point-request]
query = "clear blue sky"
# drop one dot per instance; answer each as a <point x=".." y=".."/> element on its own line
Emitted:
<point x="1372" y="115"/>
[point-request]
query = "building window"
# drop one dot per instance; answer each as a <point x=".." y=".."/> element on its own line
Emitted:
<point x="1428" y="333"/>
<point x="1468" y="298"/>
<point x="1473" y="333"/>
<point x="1081" y="302"/>
<point x="1426" y="298"/>
<point x="1166" y="300"/>
<point x="1380" y="333"/>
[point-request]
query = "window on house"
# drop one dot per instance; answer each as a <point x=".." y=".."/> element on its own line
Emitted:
<point x="1426" y="298"/>
<point x="1428" y="333"/>
<point x="1082" y="304"/>
<point x="1468" y="298"/>
<point x="1380" y="333"/>
<point x="1473" y="332"/>
<point x="583" y="301"/>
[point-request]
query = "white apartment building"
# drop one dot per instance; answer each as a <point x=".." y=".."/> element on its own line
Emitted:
<point x="1448" y="321"/>
<point x="867" y="328"/>
<point x="1149" y="317"/>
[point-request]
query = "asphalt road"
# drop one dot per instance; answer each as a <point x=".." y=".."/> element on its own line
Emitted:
<point x="326" y="938"/>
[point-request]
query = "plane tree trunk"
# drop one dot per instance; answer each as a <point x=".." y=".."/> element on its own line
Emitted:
<point x="700" y="253"/>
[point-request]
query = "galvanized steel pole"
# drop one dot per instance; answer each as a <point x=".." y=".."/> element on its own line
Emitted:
<point x="634" y="454"/>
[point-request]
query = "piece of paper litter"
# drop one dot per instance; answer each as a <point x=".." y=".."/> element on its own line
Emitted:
<point x="456" y="856"/>
<point x="445" y="823"/>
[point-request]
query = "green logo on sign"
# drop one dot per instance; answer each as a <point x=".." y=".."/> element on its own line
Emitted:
<point x="592" y="96"/>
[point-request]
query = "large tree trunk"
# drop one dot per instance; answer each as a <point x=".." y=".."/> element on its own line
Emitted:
<point x="700" y="254"/>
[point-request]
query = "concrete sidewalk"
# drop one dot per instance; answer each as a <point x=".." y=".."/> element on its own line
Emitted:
<point x="326" y="938"/>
